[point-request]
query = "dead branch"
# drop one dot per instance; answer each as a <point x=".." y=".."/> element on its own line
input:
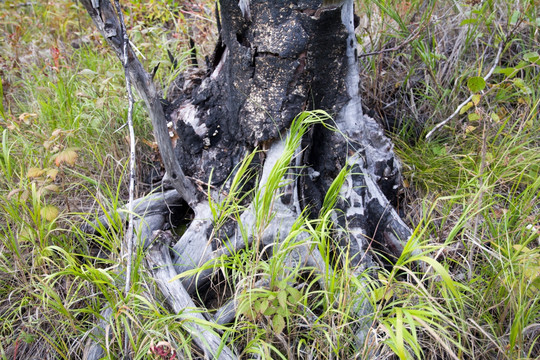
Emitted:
<point x="108" y="24"/>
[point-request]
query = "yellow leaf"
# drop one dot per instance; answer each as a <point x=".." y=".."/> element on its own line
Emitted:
<point x="34" y="173"/>
<point x="470" y="128"/>
<point x="383" y="293"/>
<point x="52" y="187"/>
<point x="27" y="118"/>
<point x="151" y="144"/>
<point x="465" y="108"/>
<point x="67" y="156"/>
<point x="406" y="183"/>
<point x="52" y="173"/>
<point x="49" y="212"/>
<point x="495" y="117"/>
<point x="476" y="99"/>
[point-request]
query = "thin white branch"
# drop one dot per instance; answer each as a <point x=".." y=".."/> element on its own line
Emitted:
<point x="486" y="77"/>
<point x="129" y="238"/>
<point x="132" y="161"/>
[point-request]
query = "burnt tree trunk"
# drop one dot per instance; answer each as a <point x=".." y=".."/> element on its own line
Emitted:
<point x="285" y="58"/>
<point x="273" y="61"/>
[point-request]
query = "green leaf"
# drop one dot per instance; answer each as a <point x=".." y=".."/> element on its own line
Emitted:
<point x="88" y="72"/>
<point x="269" y="311"/>
<point x="283" y="311"/>
<point x="468" y="22"/>
<point x="465" y="108"/>
<point x="476" y="84"/>
<point x="473" y="117"/>
<point x="282" y="298"/>
<point x="244" y="308"/>
<point x="476" y="99"/>
<point x="509" y="72"/>
<point x="532" y="57"/>
<point x="282" y="284"/>
<point x="263" y="306"/>
<point x="437" y="150"/>
<point x="515" y="17"/>
<point x="257" y="306"/>
<point x="522" y="86"/>
<point x="295" y="295"/>
<point x="440" y="270"/>
<point x="278" y="323"/>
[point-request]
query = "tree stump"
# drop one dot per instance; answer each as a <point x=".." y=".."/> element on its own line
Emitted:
<point x="273" y="61"/>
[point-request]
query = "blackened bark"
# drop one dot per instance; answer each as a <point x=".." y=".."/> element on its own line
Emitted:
<point x="289" y="56"/>
<point x="280" y="63"/>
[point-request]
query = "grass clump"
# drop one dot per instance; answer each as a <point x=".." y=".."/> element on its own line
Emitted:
<point x="474" y="187"/>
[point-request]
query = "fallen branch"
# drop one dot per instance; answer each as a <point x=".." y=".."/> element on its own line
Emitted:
<point x="460" y="106"/>
<point x="161" y="202"/>
<point x="93" y="349"/>
<point x="193" y="250"/>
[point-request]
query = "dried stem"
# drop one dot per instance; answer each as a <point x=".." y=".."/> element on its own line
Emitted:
<point x="486" y="77"/>
<point x="127" y="254"/>
<point x="108" y="24"/>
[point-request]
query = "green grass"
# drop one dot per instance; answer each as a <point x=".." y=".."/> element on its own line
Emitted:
<point x="466" y="287"/>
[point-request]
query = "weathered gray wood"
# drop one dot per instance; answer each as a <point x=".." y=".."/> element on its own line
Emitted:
<point x="159" y="263"/>
<point x="273" y="62"/>
<point x="94" y="349"/>
<point x="106" y="20"/>
<point x="157" y="203"/>
<point x="227" y="313"/>
<point x="194" y="249"/>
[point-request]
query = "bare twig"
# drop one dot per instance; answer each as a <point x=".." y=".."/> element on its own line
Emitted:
<point x="486" y="77"/>
<point x="409" y="39"/>
<point x="160" y="264"/>
<point x="127" y="254"/>
<point x="132" y="161"/>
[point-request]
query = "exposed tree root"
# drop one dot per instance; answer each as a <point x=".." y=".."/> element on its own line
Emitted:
<point x="159" y="262"/>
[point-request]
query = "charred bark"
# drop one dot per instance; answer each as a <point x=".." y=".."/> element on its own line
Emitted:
<point x="288" y="57"/>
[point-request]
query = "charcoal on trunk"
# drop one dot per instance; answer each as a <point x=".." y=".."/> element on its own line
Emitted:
<point x="284" y="58"/>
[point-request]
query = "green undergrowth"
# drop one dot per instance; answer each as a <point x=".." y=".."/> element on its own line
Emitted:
<point x="466" y="287"/>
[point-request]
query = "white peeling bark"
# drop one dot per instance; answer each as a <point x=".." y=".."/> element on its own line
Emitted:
<point x="352" y="111"/>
